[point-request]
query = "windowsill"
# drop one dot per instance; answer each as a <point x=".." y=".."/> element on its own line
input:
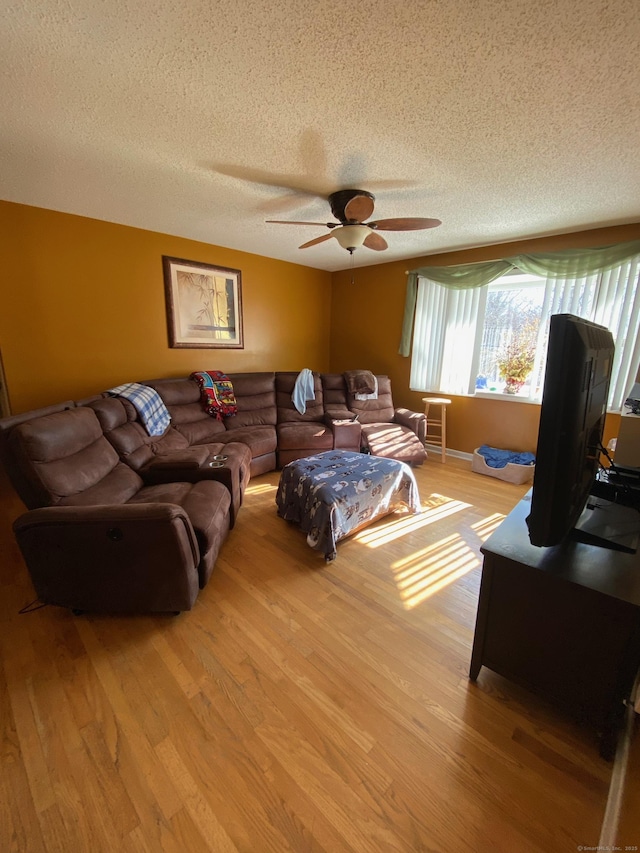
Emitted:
<point x="500" y="395"/>
<point x="514" y="398"/>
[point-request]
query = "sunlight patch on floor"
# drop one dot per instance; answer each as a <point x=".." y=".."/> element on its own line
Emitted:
<point x="396" y="527"/>
<point x="432" y="568"/>
<point x="486" y="526"/>
<point x="260" y="489"/>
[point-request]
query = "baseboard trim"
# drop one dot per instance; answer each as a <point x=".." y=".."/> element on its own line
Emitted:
<point x="458" y="454"/>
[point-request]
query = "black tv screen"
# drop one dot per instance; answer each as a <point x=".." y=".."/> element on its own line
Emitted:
<point x="574" y="405"/>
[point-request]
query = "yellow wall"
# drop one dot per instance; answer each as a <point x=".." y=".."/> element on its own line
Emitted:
<point x="366" y="323"/>
<point x="83" y="308"/>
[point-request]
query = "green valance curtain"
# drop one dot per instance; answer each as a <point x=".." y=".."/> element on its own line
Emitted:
<point x="570" y="263"/>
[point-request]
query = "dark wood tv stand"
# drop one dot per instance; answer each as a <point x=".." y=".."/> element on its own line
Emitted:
<point x="563" y="622"/>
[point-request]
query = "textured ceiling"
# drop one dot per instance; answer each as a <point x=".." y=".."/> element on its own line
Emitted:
<point x="502" y="118"/>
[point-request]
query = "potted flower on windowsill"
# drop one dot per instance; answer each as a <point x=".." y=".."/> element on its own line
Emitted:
<point x="517" y="360"/>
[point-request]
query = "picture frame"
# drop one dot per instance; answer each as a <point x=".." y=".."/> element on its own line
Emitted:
<point x="204" y="305"/>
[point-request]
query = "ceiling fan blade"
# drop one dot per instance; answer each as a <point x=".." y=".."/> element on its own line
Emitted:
<point x="298" y="222"/>
<point x="406" y="224"/>
<point x="375" y="241"/>
<point x="359" y="208"/>
<point x="316" y="241"/>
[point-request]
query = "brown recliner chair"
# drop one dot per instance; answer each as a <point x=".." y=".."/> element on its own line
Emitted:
<point x="386" y="431"/>
<point x="99" y="540"/>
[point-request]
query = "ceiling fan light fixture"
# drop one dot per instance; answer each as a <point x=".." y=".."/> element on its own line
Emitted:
<point x="351" y="237"/>
<point x="351" y="208"/>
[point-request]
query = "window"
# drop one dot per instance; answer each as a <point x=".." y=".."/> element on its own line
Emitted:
<point x="508" y="346"/>
<point x="464" y="337"/>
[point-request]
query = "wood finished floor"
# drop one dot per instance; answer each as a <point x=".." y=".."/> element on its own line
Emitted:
<point x="298" y="707"/>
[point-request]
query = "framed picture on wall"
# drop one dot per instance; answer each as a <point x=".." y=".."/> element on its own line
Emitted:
<point x="204" y="305"/>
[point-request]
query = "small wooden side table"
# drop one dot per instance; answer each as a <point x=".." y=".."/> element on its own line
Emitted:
<point x="439" y="424"/>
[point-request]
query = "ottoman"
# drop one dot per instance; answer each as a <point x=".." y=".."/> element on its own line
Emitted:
<point x="334" y="494"/>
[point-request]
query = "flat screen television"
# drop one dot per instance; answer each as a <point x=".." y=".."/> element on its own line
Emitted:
<point x="574" y="404"/>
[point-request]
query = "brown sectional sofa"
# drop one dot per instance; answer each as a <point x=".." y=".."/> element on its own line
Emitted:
<point x="276" y="433"/>
<point x="149" y="515"/>
<point x="267" y="420"/>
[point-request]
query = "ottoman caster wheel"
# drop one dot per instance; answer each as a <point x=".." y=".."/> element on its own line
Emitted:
<point x="77" y="612"/>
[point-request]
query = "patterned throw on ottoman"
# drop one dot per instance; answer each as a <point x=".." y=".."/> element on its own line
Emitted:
<point x="333" y="494"/>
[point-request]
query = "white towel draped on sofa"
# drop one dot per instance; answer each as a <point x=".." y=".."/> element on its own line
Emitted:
<point x="303" y="390"/>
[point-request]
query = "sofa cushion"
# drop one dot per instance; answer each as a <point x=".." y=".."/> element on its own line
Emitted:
<point x="64" y="453"/>
<point x="28" y="491"/>
<point x="256" y="398"/>
<point x="188" y="417"/>
<point x="334" y="392"/>
<point x="259" y="439"/>
<point x="199" y="430"/>
<point x="287" y="412"/>
<point x="176" y="392"/>
<point x="311" y="437"/>
<point x="170" y="442"/>
<point x="380" y="410"/>
<point x="117" y="487"/>
<point x="120" y="424"/>
<point x="207" y="505"/>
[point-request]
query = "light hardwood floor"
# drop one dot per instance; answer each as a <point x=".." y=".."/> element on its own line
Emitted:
<point x="298" y="707"/>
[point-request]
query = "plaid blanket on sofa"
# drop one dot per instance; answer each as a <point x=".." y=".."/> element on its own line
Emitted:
<point x="216" y="393"/>
<point x="148" y="404"/>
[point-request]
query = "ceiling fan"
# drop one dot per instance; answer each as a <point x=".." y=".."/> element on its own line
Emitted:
<point x="351" y="208"/>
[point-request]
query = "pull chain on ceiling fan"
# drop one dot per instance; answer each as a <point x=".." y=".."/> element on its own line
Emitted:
<point x="351" y="208"/>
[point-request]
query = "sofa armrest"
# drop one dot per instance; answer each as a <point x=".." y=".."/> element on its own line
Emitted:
<point x="189" y="459"/>
<point x="346" y="435"/>
<point x="342" y="414"/>
<point x="415" y="421"/>
<point x="111" y="558"/>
